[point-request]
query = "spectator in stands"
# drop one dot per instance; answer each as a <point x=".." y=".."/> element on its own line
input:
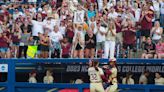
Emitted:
<point x="129" y="37"/>
<point x="48" y="79"/>
<point x="159" y="50"/>
<point x="144" y="78"/>
<point x="78" y="42"/>
<point x="137" y="12"/>
<point x="156" y="5"/>
<point x="24" y="42"/>
<point x="92" y="12"/>
<point x="4" y="48"/>
<point x="37" y="26"/>
<point x="112" y="14"/>
<point x="90" y="44"/>
<point x="62" y="28"/>
<point x="66" y="48"/>
<point x="100" y="38"/>
<point x="159" y="80"/>
<point x="69" y="31"/>
<point x="44" y="45"/>
<point x="162" y="13"/>
<point x="27" y="25"/>
<point x="45" y="15"/>
<point x="15" y="37"/>
<point x="32" y="77"/>
<point x="55" y="38"/>
<point x="110" y="40"/>
<point x="146" y="21"/>
<point x="128" y="79"/>
<point x="118" y="22"/>
<point x="156" y="32"/>
<point x="149" y="49"/>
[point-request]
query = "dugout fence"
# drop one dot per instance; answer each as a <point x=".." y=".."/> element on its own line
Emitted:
<point x="9" y="66"/>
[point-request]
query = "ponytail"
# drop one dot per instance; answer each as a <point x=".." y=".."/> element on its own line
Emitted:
<point x="95" y="65"/>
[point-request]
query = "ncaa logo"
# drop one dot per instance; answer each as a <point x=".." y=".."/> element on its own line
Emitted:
<point x="3" y="68"/>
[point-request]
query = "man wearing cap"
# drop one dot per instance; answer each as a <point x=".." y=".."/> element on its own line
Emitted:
<point x="111" y="74"/>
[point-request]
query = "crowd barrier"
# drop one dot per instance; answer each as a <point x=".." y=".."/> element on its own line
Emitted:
<point x="12" y="86"/>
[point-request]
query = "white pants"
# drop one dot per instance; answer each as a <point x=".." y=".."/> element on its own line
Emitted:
<point x="96" y="87"/>
<point x="112" y="88"/>
<point x="109" y="46"/>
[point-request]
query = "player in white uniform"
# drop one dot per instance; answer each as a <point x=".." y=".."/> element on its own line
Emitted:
<point x="111" y="73"/>
<point x="96" y="80"/>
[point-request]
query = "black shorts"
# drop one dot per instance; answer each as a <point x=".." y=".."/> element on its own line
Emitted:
<point x="36" y="38"/>
<point x="145" y="33"/>
<point x="78" y="47"/>
<point x="44" y="48"/>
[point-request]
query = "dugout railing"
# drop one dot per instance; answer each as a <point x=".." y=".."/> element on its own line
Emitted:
<point x="10" y="85"/>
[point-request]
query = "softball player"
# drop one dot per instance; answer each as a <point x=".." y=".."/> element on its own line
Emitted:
<point x="111" y="73"/>
<point x="95" y="74"/>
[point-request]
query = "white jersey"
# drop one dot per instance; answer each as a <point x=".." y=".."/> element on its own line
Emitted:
<point x="95" y="76"/>
<point x="113" y="76"/>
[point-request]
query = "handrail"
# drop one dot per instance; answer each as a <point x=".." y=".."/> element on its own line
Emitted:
<point x="70" y="60"/>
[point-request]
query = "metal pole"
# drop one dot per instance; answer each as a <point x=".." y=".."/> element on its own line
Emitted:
<point x="11" y="76"/>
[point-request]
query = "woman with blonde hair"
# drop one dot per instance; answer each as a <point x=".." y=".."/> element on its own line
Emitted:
<point x="90" y="44"/>
<point x="156" y="32"/>
<point x="78" y="42"/>
<point x="110" y="40"/>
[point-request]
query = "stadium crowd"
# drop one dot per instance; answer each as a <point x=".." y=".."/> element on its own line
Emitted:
<point x="81" y="28"/>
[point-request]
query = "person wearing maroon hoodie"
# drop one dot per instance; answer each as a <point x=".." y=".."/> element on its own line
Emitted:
<point x="4" y="47"/>
<point x="15" y="37"/>
<point x="66" y="48"/>
<point x="146" y="21"/>
<point x="129" y="36"/>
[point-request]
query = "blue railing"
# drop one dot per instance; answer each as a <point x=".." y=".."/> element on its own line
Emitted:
<point x="11" y="83"/>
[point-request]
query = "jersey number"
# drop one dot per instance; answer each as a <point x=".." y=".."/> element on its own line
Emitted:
<point x="93" y="77"/>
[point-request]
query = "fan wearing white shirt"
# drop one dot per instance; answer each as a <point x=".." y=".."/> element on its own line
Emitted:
<point x="137" y="11"/>
<point x="156" y="5"/>
<point x="162" y="13"/>
<point x="48" y="79"/>
<point x="16" y="14"/>
<point x="111" y="3"/>
<point x="100" y="4"/>
<point x="100" y="37"/>
<point x="62" y="28"/>
<point x="37" y="26"/>
<point x="32" y="9"/>
<point x="48" y="24"/>
<point x="143" y="78"/>
<point x="159" y="80"/>
<point x="32" y="78"/>
<point x="55" y="38"/>
<point x="112" y="14"/>
<point x="128" y="79"/>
